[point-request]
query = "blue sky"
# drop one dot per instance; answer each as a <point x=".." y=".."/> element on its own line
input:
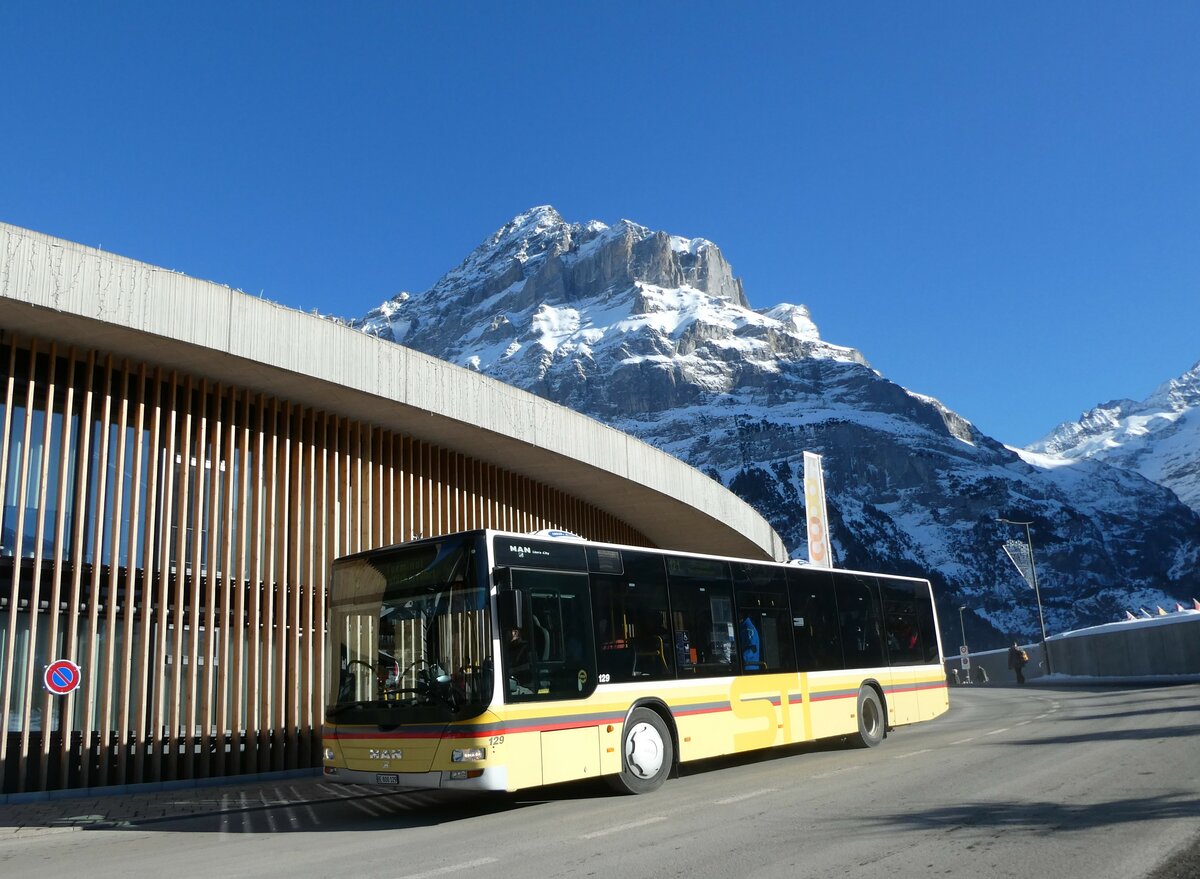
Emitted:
<point x="999" y="204"/>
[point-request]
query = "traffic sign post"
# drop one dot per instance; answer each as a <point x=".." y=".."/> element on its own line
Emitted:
<point x="62" y="677"/>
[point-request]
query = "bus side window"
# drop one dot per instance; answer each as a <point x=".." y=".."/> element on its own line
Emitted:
<point x="859" y="615"/>
<point x="925" y="621"/>
<point x="815" y="624"/>
<point x="702" y="612"/>
<point x="633" y="639"/>
<point x="900" y="617"/>
<point x="764" y="618"/>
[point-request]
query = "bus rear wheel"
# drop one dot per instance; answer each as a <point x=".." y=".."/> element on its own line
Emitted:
<point x="647" y="754"/>
<point x="871" y="723"/>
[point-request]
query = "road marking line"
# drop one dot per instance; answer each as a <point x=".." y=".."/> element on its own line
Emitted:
<point x="369" y="808"/>
<point x="997" y="731"/>
<point x="621" y="827"/>
<point x="1023" y="722"/>
<point x="913" y="754"/>
<point x="442" y="871"/>
<point x="964" y="741"/>
<point x="836" y="772"/>
<point x="740" y="797"/>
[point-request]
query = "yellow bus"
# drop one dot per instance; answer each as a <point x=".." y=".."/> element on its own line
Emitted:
<point x="495" y="661"/>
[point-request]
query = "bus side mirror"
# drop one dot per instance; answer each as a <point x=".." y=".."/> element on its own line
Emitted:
<point x="510" y="605"/>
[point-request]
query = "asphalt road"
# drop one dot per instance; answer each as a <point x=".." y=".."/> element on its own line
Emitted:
<point x="1033" y="782"/>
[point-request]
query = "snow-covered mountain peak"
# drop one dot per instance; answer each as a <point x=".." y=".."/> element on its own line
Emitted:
<point x="546" y="297"/>
<point x="533" y="222"/>
<point x="1158" y="437"/>
<point x="689" y="245"/>
<point x="1178" y="394"/>
<point x="796" y="318"/>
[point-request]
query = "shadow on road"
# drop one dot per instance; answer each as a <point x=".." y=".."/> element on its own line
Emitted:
<point x="308" y="811"/>
<point x="1137" y="712"/>
<point x="1044" y="818"/>
<point x="750" y="758"/>
<point x="1115" y="735"/>
<point x="315" y="807"/>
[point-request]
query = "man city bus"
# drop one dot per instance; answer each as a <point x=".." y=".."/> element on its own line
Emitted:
<point x="488" y="660"/>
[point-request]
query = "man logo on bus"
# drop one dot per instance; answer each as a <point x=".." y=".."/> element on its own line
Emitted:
<point x="526" y="550"/>
<point x="386" y="754"/>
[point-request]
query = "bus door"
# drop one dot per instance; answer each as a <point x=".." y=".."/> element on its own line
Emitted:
<point x="548" y="647"/>
<point x="549" y="657"/>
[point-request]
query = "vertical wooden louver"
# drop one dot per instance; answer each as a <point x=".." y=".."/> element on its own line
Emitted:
<point x="172" y="536"/>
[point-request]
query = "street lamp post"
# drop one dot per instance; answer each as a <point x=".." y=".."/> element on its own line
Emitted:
<point x="963" y="631"/>
<point x="1036" y="592"/>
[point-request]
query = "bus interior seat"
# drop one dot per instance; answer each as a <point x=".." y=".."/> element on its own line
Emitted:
<point x="648" y="657"/>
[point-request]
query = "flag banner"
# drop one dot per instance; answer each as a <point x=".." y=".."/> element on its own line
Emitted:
<point x="1018" y="552"/>
<point x="1129" y="616"/>
<point x="819" y="552"/>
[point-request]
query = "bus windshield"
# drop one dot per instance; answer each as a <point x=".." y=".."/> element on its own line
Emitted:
<point x="409" y="635"/>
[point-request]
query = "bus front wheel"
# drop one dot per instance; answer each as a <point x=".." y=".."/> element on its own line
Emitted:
<point x="871" y="723"/>
<point x="647" y="754"/>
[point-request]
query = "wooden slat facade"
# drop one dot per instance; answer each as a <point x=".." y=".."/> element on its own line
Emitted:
<point x="172" y="536"/>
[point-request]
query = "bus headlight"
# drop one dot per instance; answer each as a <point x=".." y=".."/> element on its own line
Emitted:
<point x="329" y="755"/>
<point x="468" y="755"/>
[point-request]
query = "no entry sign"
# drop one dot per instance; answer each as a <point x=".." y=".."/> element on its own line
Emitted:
<point x="62" y="676"/>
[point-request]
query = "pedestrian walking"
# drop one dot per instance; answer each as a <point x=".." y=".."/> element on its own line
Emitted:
<point x="1016" y="661"/>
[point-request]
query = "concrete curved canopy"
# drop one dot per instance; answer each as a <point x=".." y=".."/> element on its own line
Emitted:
<point x="84" y="296"/>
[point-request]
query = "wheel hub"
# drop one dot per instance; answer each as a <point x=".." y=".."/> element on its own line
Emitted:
<point x="644" y="751"/>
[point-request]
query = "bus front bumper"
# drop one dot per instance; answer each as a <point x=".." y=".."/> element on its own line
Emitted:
<point x="494" y="778"/>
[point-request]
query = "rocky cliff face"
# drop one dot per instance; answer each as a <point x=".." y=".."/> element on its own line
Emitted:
<point x="1158" y="437"/>
<point x="652" y="333"/>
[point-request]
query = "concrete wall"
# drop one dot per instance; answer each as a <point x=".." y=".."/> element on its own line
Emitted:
<point x="1163" y="647"/>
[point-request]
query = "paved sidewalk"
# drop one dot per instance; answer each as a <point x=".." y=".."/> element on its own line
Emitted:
<point x="144" y="804"/>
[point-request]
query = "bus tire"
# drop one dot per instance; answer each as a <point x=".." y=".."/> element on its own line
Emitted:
<point x="871" y="723"/>
<point x="647" y="754"/>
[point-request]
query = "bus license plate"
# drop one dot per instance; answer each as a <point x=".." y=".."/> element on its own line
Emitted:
<point x="387" y="779"/>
